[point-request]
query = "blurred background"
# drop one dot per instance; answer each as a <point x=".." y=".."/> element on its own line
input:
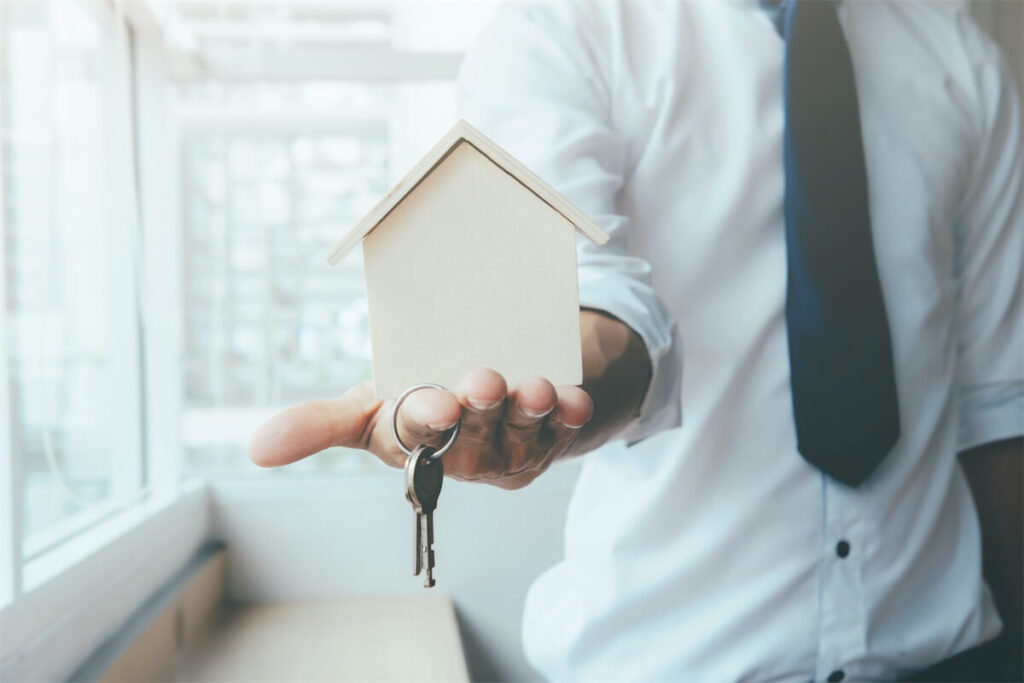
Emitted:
<point x="170" y="192"/>
<point x="172" y="174"/>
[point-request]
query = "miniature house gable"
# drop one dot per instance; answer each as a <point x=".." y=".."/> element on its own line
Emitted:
<point x="471" y="262"/>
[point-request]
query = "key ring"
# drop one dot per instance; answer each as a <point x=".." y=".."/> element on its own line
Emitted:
<point x="394" y="422"/>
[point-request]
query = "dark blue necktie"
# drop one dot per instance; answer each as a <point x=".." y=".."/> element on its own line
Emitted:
<point x="844" y="389"/>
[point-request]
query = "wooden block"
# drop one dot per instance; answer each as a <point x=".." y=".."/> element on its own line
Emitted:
<point x="471" y="263"/>
<point x="471" y="270"/>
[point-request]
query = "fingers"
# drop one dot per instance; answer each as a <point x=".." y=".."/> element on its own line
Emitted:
<point x="482" y="396"/>
<point x="423" y="419"/>
<point x="522" y="434"/>
<point x="525" y="415"/>
<point x="541" y="426"/>
<point x="506" y="440"/>
<point x="574" y="410"/>
<point x="355" y="420"/>
<point x="311" y="427"/>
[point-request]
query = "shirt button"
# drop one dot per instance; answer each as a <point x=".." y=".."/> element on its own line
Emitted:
<point x="842" y="550"/>
<point x="836" y="676"/>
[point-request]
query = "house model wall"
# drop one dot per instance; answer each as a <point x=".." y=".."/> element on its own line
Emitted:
<point x="469" y="266"/>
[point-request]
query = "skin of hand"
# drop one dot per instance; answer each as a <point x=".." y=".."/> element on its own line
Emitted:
<point x="995" y="472"/>
<point x="509" y="436"/>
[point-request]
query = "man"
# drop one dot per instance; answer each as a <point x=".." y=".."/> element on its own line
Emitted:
<point x="721" y="546"/>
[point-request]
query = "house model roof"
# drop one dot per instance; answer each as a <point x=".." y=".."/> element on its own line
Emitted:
<point x="462" y="133"/>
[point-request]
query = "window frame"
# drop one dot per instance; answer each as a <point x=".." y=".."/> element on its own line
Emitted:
<point x="10" y="466"/>
<point x="119" y="86"/>
<point x="58" y="602"/>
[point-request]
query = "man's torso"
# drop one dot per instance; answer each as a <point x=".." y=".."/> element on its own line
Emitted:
<point x="709" y="551"/>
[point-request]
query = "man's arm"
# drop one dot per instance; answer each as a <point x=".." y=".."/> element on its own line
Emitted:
<point x="989" y="239"/>
<point x="509" y="435"/>
<point x="616" y="374"/>
<point x="995" y="472"/>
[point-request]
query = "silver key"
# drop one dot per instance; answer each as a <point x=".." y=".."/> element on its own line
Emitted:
<point x="423" y="479"/>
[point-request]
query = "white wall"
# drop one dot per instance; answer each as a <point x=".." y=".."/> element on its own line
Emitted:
<point x="295" y="537"/>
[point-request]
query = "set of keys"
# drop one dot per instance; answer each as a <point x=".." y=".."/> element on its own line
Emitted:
<point x="424" y="476"/>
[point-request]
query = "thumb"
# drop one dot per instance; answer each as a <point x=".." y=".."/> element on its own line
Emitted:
<point x="308" y="428"/>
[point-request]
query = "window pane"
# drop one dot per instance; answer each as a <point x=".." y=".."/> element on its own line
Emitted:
<point x="273" y="175"/>
<point x="67" y="264"/>
<point x="267" y="321"/>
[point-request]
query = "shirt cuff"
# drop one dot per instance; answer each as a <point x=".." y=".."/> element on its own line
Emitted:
<point x="621" y="297"/>
<point x="991" y="412"/>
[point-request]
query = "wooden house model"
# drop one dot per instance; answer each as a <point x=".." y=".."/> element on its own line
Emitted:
<point x="471" y="263"/>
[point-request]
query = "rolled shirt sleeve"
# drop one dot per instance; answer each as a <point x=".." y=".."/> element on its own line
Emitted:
<point x="990" y="250"/>
<point x="532" y="81"/>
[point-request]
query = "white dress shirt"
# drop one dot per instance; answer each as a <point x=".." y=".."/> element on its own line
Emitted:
<point x="702" y="546"/>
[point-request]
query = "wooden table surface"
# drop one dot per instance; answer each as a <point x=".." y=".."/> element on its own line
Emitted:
<point x="406" y="638"/>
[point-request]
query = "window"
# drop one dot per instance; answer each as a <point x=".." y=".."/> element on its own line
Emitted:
<point x="70" y="315"/>
<point x="288" y="138"/>
<point x="140" y="336"/>
<point x="267" y="322"/>
<point x="273" y="175"/>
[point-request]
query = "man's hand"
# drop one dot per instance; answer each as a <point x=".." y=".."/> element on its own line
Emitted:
<point x="508" y="438"/>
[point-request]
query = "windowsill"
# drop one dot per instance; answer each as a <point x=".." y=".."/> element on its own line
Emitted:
<point x="43" y="542"/>
<point x="112" y="525"/>
<point x="82" y="590"/>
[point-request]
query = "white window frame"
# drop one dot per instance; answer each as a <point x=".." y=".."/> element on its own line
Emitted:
<point x="10" y="466"/>
<point x="123" y="378"/>
<point x="60" y="603"/>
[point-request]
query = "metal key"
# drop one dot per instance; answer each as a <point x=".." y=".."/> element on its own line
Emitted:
<point x="424" y="476"/>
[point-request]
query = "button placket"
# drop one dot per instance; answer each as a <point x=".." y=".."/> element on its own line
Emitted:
<point x="842" y="622"/>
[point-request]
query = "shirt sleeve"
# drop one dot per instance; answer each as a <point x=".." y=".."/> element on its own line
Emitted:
<point x="989" y="256"/>
<point x="532" y="83"/>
